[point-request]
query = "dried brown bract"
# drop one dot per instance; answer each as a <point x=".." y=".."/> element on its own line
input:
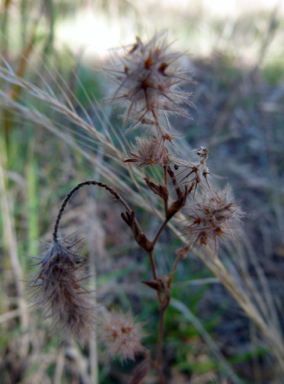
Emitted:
<point x="147" y="80"/>
<point x="58" y="289"/>
<point x="149" y="152"/>
<point x="214" y="218"/>
<point x="121" y="337"/>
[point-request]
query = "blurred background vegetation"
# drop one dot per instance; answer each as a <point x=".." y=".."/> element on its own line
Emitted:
<point x="234" y="51"/>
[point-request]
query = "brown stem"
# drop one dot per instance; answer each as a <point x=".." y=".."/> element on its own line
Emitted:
<point x="166" y="185"/>
<point x="164" y="304"/>
<point x="174" y="208"/>
<point x="163" y="291"/>
<point x="75" y="189"/>
<point x="156" y="120"/>
<point x="160" y="345"/>
<point x="177" y="260"/>
<point x="153" y="264"/>
<point x="161" y="336"/>
<point x="174" y="181"/>
<point x="159" y="232"/>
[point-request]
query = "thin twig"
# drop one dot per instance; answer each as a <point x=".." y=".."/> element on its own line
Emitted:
<point x="160" y="344"/>
<point x="75" y="189"/>
<point x="11" y="243"/>
<point x="153" y="264"/>
<point x="166" y="184"/>
<point x="159" y="232"/>
<point x="177" y="260"/>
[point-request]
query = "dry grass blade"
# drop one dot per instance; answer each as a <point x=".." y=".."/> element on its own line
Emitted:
<point x="272" y="336"/>
<point x="9" y="315"/>
<point x="271" y="313"/>
<point x="206" y="337"/>
<point x="11" y="244"/>
<point x="59" y="368"/>
<point x="57" y="106"/>
<point x="40" y="119"/>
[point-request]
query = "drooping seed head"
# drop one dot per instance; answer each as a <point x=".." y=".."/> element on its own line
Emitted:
<point x="57" y="289"/>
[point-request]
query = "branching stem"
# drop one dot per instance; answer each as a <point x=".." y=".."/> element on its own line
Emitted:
<point x="160" y="230"/>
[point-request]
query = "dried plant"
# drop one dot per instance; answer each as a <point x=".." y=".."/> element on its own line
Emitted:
<point x="121" y="336"/>
<point x="58" y="289"/>
<point x="149" y="152"/>
<point x="214" y="217"/>
<point x="147" y="81"/>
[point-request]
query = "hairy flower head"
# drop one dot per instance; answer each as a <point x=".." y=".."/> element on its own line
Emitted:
<point x="147" y="80"/>
<point x="193" y="173"/>
<point x="215" y="217"/>
<point x="58" y="290"/>
<point x="149" y="152"/>
<point x="121" y="337"/>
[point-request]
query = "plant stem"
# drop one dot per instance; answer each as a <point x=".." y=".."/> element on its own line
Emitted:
<point x="75" y="189"/>
<point x="153" y="265"/>
<point x="166" y="184"/>
<point x="161" y="336"/>
<point x="177" y="260"/>
<point x="163" y="309"/>
<point x="160" y="230"/>
<point x="163" y="291"/>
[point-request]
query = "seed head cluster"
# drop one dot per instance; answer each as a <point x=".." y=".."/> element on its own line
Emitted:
<point x="58" y="290"/>
<point x="147" y="80"/>
<point x="121" y="337"/>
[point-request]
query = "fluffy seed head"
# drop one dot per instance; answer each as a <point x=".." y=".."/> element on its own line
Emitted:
<point x="121" y="337"/>
<point x="214" y="218"/>
<point x="149" y="152"/>
<point x="193" y="173"/>
<point x="58" y="290"/>
<point x="146" y="81"/>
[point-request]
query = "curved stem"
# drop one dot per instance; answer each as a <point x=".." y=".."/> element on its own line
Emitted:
<point x="75" y="189"/>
